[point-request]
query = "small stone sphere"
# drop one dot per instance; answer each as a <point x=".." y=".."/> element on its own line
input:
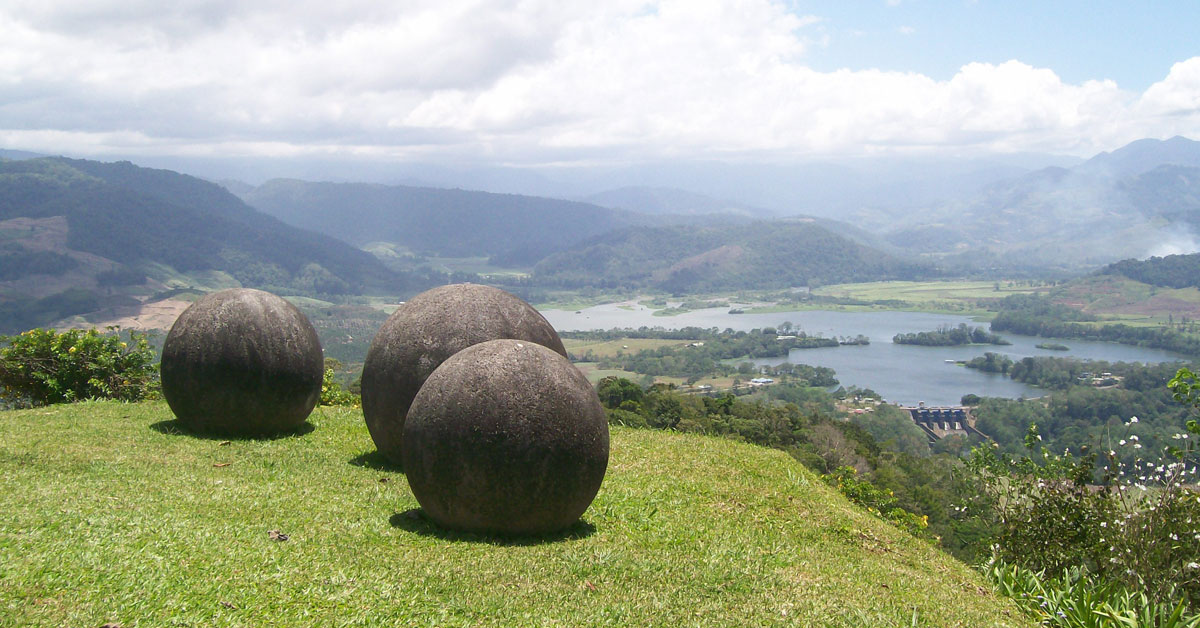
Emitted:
<point x="426" y="330"/>
<point x="506" y="437"/>
<point x="242" y="362"/>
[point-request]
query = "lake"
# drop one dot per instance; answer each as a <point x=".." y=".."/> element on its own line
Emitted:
<point x="901" y="373"/>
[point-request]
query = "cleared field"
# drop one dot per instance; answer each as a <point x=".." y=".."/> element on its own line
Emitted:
<point x="594" y="373"/>
<point x="610" y="348"/>
<point x="918" y="292"/>
<point x="476" y="265"/>
<point x="1130" y="301"/>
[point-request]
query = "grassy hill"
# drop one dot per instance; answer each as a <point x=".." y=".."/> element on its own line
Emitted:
<point x="107" y="514"/>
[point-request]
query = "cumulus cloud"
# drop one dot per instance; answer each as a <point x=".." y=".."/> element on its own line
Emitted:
<point x="519" y="81"/>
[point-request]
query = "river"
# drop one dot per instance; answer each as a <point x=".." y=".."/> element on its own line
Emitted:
<point x="901" y="373"/>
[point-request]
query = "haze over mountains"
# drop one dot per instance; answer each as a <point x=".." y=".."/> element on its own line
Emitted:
<point x="90" y="233"/>
<point x="1138" y="201"/>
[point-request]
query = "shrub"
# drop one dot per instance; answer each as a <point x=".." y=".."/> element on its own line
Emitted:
<point x="1078" y="598"/>
<point x="332" y="392"/>
<point x="879" y="502"/>
<point x="42" y="366"/>
<point x="1133" y="527"/>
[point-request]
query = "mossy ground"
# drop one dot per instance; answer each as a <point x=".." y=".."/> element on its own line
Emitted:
<point x="109" y="514"/>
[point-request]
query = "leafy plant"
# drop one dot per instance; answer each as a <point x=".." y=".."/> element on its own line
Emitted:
<point x="1078" y="599"/>
<point x="879" y="502"/>
<point x="1119" y="522"/>
<point x="42" y="366"/>
<point x="332" y="392"/>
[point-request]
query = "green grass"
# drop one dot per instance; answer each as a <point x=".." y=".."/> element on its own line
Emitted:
<point x="109" y="515"/>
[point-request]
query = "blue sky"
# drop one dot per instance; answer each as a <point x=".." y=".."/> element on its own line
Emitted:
<point x="579" y="82"/>
<point x="1132" y="43"/>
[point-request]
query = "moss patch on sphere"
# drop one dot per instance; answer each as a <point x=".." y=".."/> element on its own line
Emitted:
<point x="242" y="362"/>
<point x="506" y="437"/>
<point x="423" y="333"/>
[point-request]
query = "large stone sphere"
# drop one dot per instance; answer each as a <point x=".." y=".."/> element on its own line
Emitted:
<point x="242" y="362"/>
<point x="506" y="437"/>
<point x="426" y="330"/>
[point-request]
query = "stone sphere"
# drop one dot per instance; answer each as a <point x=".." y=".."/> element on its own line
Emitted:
<point x="423" y="333"/>
<point x="506" y="437"/>
<point x="242" y="362"/>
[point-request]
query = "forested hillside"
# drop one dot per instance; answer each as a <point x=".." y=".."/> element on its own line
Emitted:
<point x="1172" y="271"/>
<point x="74" y="230"/>
<point x="696" y="258"/>
<point x="520" y="230"/>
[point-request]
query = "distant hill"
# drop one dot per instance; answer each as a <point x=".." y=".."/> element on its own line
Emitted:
<point x="659" y="200"/>
<point x="436" y="221"/>
<point x="18" y="154"/>
<point x="1171" y="271"/>
<point x="775" y="254"/>
<point x="1141" y="200"/>
<point x="1144" y="155"/>
<point x="98" y="231"/>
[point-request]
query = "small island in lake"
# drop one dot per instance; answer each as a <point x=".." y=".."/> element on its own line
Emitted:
<point x="946" y="336"/>
<point x="1052" y="346"/>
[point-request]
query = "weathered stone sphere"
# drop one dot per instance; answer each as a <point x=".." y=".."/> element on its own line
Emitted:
<point x="242" y="362"/>
<point x="506" y="437"/>
<point x="426" y="330"/>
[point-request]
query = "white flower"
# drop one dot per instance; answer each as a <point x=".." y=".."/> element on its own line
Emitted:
<point x="1137" y="445"/>
<point x="1133" y="419"/>
<point x="1134" y="437"/>
<point x="1193" y="566"/>
<point x="1121" y="442"/>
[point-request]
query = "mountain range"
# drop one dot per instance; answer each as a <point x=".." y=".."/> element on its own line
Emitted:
<point x="78" y="235"/>
<point x="1140" y="200"/>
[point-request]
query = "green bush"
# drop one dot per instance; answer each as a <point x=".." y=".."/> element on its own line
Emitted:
<point x="332" y="392"/>
<point x="879" y="502"/>
<point x="1079" y="599"/>
<point x="1127" y="526"/>
<point x="42" y="366"/>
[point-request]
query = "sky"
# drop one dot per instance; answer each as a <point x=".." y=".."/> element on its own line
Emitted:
<point x="567" y="82"/>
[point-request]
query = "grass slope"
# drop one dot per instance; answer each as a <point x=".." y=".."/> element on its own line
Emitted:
<point x="107" y="515"/>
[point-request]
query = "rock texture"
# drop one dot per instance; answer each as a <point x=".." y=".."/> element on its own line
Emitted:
<point x="422" y="334"/>
<point x="506" y="437"/>
<point x="242" y="362"/>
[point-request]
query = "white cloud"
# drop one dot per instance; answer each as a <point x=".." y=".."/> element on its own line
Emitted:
<point x="522" y="81"/>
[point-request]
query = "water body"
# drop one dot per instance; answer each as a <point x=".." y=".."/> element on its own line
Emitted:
<point x="901" y="373"/>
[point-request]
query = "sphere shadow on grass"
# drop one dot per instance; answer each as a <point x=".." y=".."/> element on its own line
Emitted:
<point x="415" y="521"/>
<point x="175" y="427"/>
<point x="375" y="460"/>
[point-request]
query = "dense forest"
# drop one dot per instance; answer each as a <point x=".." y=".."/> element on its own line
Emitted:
<point x="1172" y="271"/>
<point x="1088" y="403"/>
